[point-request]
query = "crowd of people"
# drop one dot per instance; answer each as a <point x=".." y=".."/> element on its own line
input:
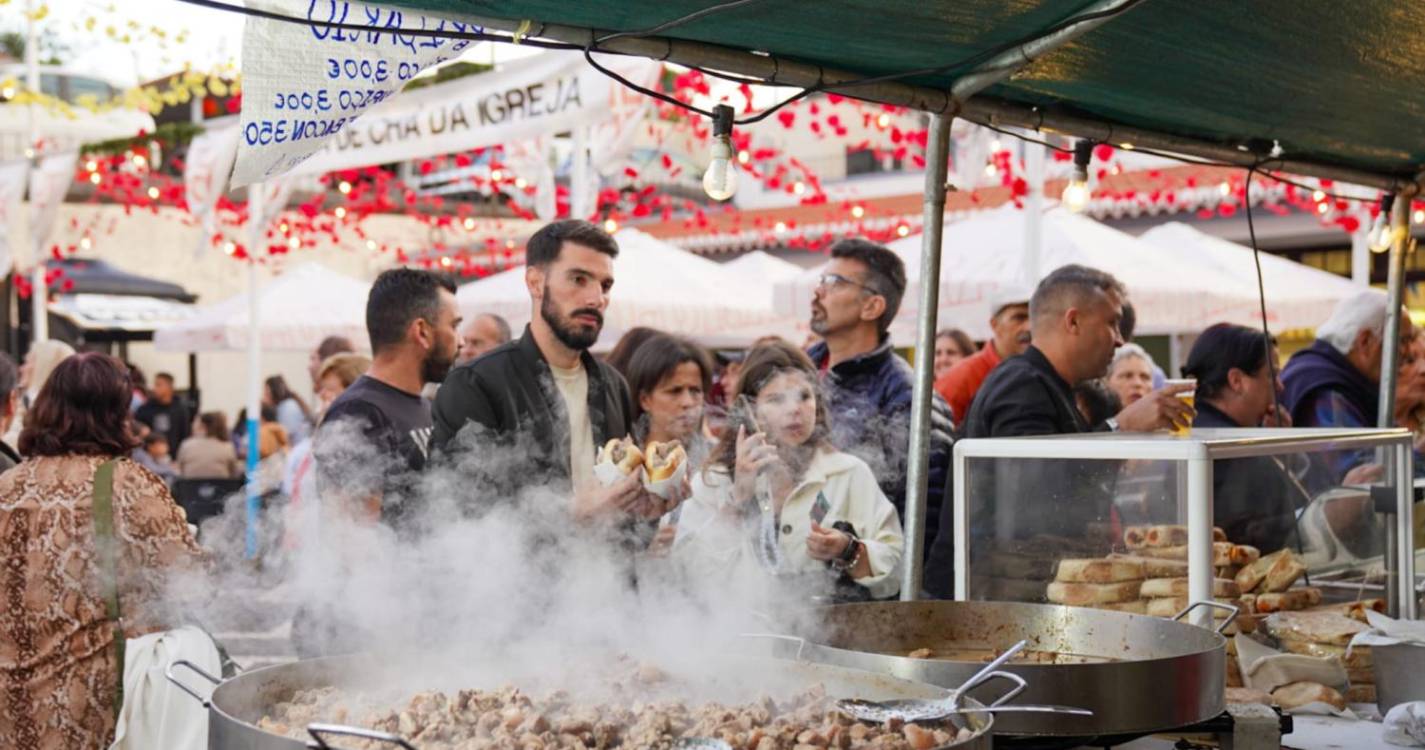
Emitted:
<point x="796" y="457"/>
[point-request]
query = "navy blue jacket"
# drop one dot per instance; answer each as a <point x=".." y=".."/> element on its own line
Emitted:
<point x="868" y="400"/>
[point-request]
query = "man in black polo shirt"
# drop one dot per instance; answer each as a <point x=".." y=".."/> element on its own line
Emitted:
<point x="530" y="415"/>
<point x="373" y="441"/>
<point x="1074" y="315"/>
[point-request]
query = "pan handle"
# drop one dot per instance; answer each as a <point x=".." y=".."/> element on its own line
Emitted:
<point x="801" y="642"/>
<point x="207" y="702"/>
<point x="319" y="743"/>
<point x="1231" y="610"/>
<point x="1019" y="686"/>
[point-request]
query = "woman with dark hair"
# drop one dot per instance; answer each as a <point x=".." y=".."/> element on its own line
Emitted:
<point x="776" y="492"/>
<point x="951" y="346"/>
<point x="1254" y="499"/>
<point x="77" y="491"/>
<point x="628" y="345"/>
<point x="209" y="454"/>
<point x="669" y="378"/>
<point x="292" y="412"/>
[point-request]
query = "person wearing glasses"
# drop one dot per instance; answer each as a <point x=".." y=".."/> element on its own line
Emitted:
<point x="867" y="385"/>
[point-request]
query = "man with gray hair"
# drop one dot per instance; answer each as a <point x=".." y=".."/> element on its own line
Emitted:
<point x="481" y="334"/>
<point x="1336" y="381"/>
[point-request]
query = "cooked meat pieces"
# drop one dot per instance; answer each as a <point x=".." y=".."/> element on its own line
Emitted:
<point x="509" y="719"/>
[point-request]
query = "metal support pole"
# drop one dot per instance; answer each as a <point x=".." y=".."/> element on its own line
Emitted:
<point x="961" y="508"/>
<point x="39" y="299"/>
<point x="1199" y="523"/>
<point x="918" y="460"/>
<point x="1389" y="364"/>
<point x="1033" y="213"/>
<point x="257" y="229"/>
<point x="1400" y="579"/>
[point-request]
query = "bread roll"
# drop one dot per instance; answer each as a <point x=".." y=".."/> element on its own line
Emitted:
<point x="1360" y="657"/>
<point x="1163" y="587"/>
<point x="1234" y="672"/>
<point x="1355" y="610"/>
<point x="1245" y="554"/>
<point x="1156" y="567"/>
<point x="1283" y="572"/>
<point x="1166" y="553"/>
<point x="1166" y="536"/>
<point x="1168" y="606"/>
<point x="1361" y="676"/>
<point x="1218" y="535"/>
<point x="663" y="459"/>
<point x="1298" y="694"/>
<point x="1098" y="571"/>
<point x="1286" y="601"/>
<point x="1316" y="627"/>
<point x="623" y="453"/>
<point x="1089" y="594"/>
<point x="1135" y="537"/>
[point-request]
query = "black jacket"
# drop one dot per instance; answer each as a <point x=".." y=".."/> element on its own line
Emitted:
<point x="502" y="420"/>
<point x="1253" y="499"/>
<point x="1023" y="396"/>
<point x="868" y="401"/>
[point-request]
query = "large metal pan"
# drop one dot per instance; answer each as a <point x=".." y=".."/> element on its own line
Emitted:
<point x="1162" y="674"/>
<point x="237" y="704"/>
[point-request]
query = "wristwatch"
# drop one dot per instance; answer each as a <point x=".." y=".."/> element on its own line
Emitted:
<point x="1112" y="423"/>
<point x="848" y="556"/>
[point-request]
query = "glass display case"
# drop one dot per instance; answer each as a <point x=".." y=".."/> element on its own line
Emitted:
<point x="1285" y="518"/>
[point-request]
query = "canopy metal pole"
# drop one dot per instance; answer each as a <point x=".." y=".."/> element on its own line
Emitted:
<point x="937" y="157"/>
<point x="994" y="70"/>
<point x="257" y="228"/>
<point x="39" y="300"/>
<point x="982" y="110"/>
<point x="1389" y="364"/>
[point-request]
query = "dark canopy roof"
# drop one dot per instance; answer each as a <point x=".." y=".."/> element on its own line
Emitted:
<point x="1335" y="83"/>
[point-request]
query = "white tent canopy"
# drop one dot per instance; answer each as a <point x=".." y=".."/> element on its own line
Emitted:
<point x="763" y="266"/>
<point x="983" y="255"/>
<point x="656" y="285"/>
<point x="1298" y="296"/>
<point x="298" y="309"/>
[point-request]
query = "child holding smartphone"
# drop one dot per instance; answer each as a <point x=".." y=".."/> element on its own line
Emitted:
<point x="776" y="494"/>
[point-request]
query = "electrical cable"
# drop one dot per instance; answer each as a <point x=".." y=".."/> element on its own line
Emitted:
<point x="1271" y="363"/>
<point x="705" y="12"/>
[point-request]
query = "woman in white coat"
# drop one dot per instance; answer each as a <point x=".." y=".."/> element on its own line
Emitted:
<point x="776" y="495"/>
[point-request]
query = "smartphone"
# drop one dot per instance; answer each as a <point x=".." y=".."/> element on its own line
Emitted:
<point x="747" y="409"/>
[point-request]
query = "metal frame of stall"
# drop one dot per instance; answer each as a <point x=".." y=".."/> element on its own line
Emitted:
<point x="1196" y="454"/>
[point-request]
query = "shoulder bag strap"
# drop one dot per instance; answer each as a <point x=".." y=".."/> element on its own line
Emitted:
<point x="108" y="546"/>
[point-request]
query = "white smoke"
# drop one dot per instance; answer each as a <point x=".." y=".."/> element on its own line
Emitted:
<point x="481" y="589"/>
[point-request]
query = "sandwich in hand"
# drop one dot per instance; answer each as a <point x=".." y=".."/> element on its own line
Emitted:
<point x="663" y="459"/>
<point x="622" y="453"/>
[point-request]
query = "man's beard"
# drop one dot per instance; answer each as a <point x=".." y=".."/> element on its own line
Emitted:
<point x="436" y="365"/>
<point x="574" y="336"/>
<point x="819" y="325"/>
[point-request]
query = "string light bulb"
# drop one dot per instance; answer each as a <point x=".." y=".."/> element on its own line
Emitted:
<point x="720" y="181"/>
<point x="1076" y="193"/>
<point x="1382" y="235"/>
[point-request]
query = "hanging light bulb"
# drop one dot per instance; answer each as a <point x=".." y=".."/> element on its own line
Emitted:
<point x="720" y="181"/>
<point x="1382" y="234"/>
<point x="1076" y="193"/>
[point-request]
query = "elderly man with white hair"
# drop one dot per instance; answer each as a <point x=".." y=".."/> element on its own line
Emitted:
<point x="1336" y="381"/>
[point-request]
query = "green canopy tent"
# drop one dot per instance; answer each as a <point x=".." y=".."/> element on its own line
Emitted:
<point x="1332" y="90"/>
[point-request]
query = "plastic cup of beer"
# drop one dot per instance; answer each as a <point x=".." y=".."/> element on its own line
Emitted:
<point x="1189" y="397"/>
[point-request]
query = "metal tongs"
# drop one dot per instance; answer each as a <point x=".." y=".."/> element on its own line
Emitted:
<point x="912" y="710"/>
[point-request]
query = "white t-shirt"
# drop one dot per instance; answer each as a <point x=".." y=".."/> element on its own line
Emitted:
<point x="574" y="387"/>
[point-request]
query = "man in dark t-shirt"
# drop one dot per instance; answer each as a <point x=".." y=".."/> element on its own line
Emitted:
<point x="373" y="442"/>
<point x="165" y="413"/>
